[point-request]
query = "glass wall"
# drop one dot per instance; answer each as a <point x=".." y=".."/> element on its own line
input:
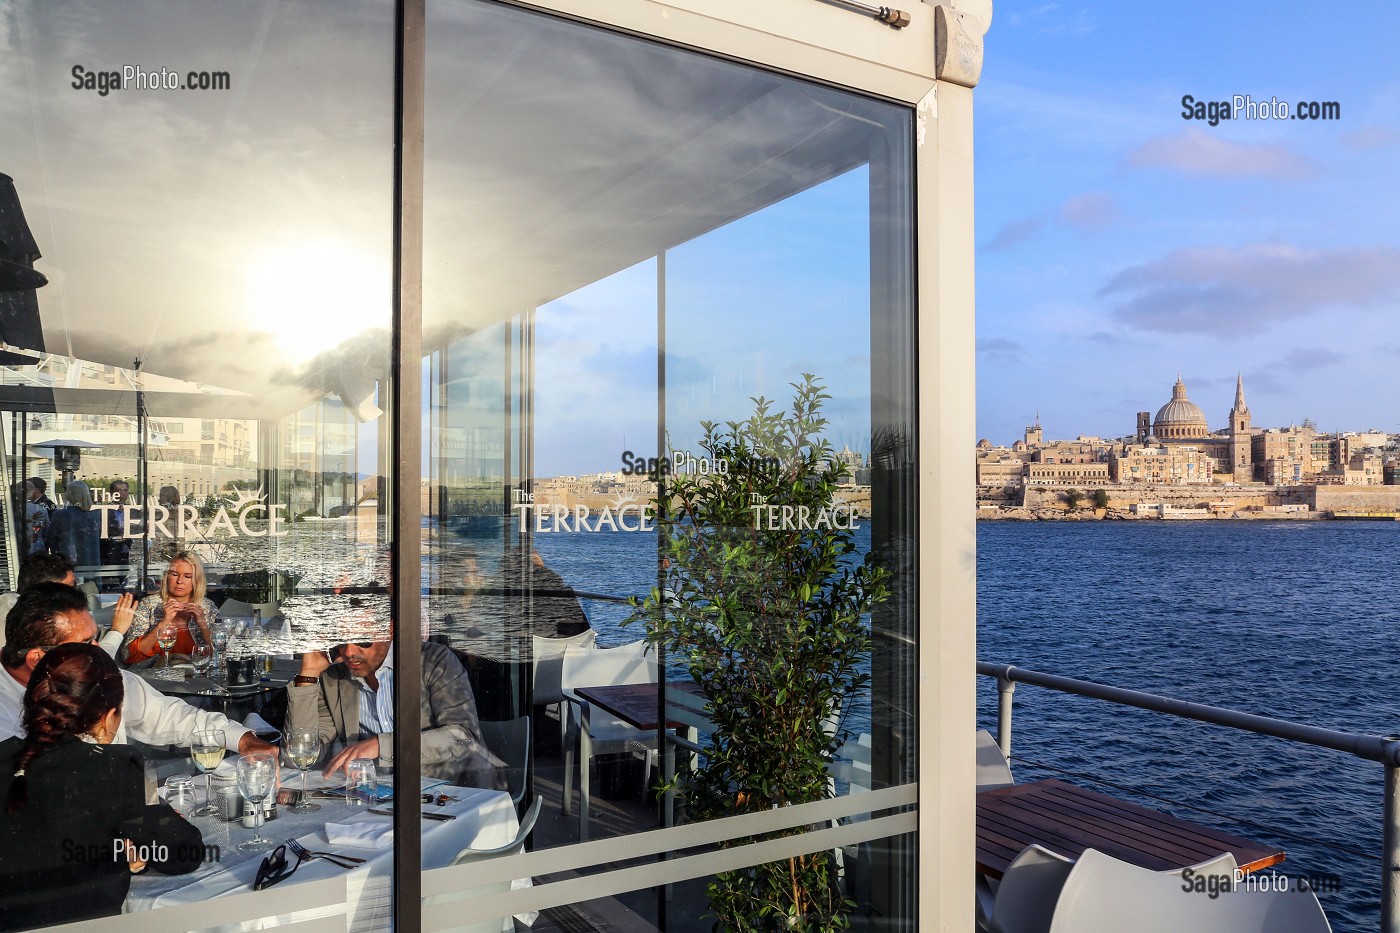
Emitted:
<point x="196" y="228"/>
<point x="668" y="315"/>
<point x="665" y="446"/>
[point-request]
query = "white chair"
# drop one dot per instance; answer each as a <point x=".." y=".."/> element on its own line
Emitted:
<point x="993" y="770"/>
<point x="594" y="732"/>
<point x="547" y="666"/>
<point x="236" y="609"/>
<point x="514" y="847"/>
<point x="1103" y="893"/>
<point x="1026" y="897"/>
<point x="510" y="742"/>
<point x="1031" y="894"/>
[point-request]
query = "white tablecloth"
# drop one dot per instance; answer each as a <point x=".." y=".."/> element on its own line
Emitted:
<point x="484" y="819"/>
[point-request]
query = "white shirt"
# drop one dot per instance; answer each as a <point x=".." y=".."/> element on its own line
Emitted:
<point x="377" y="706"/>
<point x="147" y="715"/>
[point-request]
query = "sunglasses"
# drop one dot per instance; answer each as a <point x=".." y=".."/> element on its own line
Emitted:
<point x="91" y="640"/>
<point x="274" y="868"/>
<point x="343" y="645"/>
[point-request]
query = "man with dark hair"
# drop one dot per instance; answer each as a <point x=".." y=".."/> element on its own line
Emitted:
<point x="39" y="494"/>
<point x="56" y="568"/>
<point x="50" y="614"/>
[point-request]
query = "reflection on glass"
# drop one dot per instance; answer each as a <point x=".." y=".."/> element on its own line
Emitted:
<point x="625" y="243"/>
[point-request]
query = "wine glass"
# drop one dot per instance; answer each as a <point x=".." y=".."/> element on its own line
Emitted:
<point x="302" y="750"/>
<point x="256" y="775"/>
<point x="207" y="750"/>
<point x="166" y="635"/>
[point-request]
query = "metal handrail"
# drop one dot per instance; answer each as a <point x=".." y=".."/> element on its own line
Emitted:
<point x="1382" y="749"/>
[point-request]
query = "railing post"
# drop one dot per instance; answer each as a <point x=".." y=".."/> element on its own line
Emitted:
<point x="1390" y="845"/>
<point x="1005" y="688"/>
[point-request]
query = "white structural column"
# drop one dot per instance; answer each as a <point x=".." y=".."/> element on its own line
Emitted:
<point x="947" y="512"/>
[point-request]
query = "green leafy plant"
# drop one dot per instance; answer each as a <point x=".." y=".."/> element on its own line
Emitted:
<point x="763" y="600"/>
<point x="1071" y="498"/>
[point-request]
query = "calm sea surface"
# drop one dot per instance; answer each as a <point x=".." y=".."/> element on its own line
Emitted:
<point x="1294" y="620"/>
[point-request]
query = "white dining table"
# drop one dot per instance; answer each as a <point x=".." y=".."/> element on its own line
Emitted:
<point x="483" y="819"/>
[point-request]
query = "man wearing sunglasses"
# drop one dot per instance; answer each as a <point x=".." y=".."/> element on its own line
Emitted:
<point x="51" y="614"/>
<point x="347" y="694"/>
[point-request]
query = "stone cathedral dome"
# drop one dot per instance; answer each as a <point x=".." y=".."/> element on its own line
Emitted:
<point x="1180" y="417"/>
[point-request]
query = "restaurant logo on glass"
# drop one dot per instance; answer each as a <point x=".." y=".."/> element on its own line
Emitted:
<point x="184" y="520"/>
<point x="632" y="490"/>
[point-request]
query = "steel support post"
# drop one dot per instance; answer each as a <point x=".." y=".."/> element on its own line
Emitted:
<point x="1006" y="687"/>
<point x="1390" y="844"/>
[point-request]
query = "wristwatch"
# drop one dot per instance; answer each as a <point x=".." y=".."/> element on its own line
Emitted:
<point x="302" y="680"/>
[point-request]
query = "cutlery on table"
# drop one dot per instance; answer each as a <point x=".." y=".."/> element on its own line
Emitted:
<point x="425" y="815"/>
<point x="335" y="858"/>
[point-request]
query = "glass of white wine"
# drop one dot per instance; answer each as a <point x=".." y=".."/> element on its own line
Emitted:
<point x="207" y="750"/>
<point x="166" y="635"/>
<point x="302" y="750"/>
<point x="257" y="773"/>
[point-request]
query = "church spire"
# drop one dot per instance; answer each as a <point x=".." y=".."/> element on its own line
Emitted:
<point x="1239" y="393"/>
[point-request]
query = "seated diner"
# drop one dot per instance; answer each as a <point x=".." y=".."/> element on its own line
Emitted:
<point x="76" y="824"/>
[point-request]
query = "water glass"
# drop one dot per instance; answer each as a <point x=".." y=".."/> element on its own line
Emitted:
<point x="179" y="793"/>
<point x="257" y="775"/>
<point x="201" y="656"/>
<point x="361" y="783"/>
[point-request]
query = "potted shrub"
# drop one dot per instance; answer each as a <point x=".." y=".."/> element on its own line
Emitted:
<point x="764" y="600"/>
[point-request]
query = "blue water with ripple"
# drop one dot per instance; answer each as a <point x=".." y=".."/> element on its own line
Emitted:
<point x="1297" y="620"/>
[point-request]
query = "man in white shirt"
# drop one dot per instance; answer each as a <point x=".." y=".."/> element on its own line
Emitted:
<point x="55" y="568"/>
<point x="52" y="614"/>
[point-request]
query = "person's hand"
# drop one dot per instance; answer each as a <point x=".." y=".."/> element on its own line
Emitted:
<point x="369" y="748"/>
<point x="250" y="744"/>
<point x="313" y="663"/>
<point x="133" y="864"/>
<point x="124" y="613"/>
<point x="170" y="611"/>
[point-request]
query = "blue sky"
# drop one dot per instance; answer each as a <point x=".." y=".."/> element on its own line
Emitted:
<point x="1119" y="244"/>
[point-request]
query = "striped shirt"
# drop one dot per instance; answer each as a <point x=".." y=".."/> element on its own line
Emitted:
<point x="377" y="706"/>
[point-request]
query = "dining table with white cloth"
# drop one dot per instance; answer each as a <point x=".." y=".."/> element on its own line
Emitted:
<point x="483" y="819"/>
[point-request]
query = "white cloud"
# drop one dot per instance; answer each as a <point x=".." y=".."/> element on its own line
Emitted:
<point x="1224" y="290"/>
<point x="1197" y="152"/>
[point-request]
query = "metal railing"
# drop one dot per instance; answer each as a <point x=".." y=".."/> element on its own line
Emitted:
<point x="1384" y="750"/>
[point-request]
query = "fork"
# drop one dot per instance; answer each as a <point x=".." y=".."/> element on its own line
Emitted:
<point x="302" y="852"/>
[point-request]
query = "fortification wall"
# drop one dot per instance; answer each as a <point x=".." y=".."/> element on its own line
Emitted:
<point x="1363" y="498"/>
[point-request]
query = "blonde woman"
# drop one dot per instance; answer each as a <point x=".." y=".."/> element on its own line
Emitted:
<point x="181" y="603"/>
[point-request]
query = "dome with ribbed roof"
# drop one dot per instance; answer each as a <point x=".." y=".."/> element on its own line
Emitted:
<point x="1180" y="417"/>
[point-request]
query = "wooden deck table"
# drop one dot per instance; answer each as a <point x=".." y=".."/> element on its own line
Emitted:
<point x="634" y="704"/>
<point x="1069" y="819"/>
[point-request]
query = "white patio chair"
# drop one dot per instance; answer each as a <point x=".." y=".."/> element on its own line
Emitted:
<point x="1029" y="898"/>
<point x="547" y="665"/>
<point x="510" y="741"/>
<point x="236" y="609"/>
<point x="1104" y="894"/>
<point x="1025" y="898"/>
<point x="593" y="732"/>
<point x="993" y="770"/>
<point x="514" y="847"/>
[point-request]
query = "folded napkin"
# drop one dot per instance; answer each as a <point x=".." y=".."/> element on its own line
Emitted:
<point x="362" y="834"/>
<point x="261" y="727"/>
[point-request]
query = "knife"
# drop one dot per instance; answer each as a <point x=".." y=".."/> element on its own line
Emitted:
<point x="425" y="815"/>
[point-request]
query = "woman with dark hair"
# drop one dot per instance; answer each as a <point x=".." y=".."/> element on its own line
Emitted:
<point x="75" y="821"/>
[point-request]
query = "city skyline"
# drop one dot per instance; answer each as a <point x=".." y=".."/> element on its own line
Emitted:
<point x="1119" y="242"/>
